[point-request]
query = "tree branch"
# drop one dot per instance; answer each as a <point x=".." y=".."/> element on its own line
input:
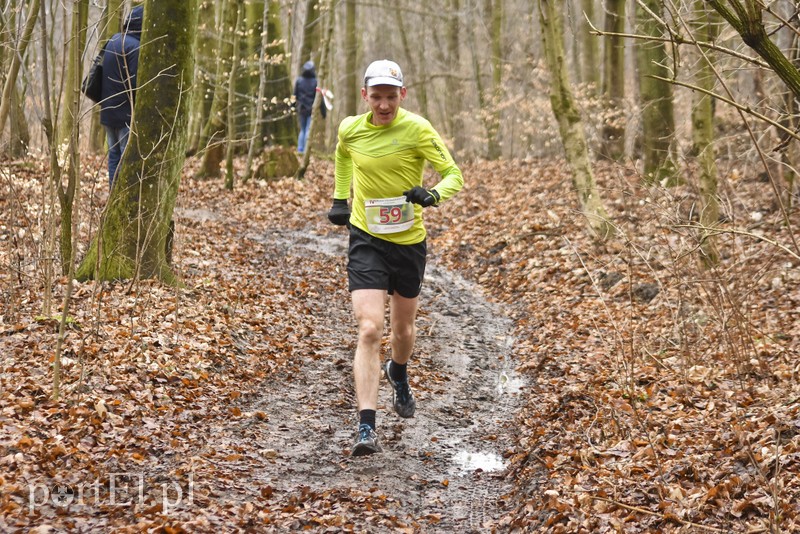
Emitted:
<point x="740" y="107"/>
<point x="681" y="41"/>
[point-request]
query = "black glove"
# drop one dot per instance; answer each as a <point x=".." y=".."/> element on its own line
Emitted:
<point x="340" y="212"/>
<point x="423" y="197"/>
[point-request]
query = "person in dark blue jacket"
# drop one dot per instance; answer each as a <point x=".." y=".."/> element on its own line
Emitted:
<point x="305" y="88"/>
<point x="120" y="63"/>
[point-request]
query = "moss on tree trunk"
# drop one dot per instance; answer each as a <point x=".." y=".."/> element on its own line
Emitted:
<point x="569" y="122"/>
<point x="215" y="130"/>
<point x="658" y="118"/>
<point x="280" y="126"/>
<point x="136" y="226"/>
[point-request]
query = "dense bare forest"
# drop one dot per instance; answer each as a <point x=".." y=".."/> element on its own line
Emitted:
<point x="609" y="329"/>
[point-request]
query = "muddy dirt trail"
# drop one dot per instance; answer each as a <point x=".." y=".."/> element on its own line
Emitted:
<point x="441" y="471"/>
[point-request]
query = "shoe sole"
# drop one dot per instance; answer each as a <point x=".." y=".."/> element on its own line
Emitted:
<point x="394" y="394"/>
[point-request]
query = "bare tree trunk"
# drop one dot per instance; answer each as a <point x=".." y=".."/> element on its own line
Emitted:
<point x="790" y="148"/>
<point x="413" y="65"/>
<point x="478" y="76"/>
<point x="327" y="9"/>
<point x="7" y="37"/>
<point x="19" y="133"/>
<point x="239" y="110"/>
<point x="614" y="82"/>
<point x="20" y="137"/>
<point x="251" y="54"/>
<point x="77" y="42"/>
<point x="281" y="126"/>
<point x="231" y="141"/>
<point x="703" y="135"/>
<point x="658" y="119"/>
<point x="69" y="222"/>
<point x="569" y="122"/>
<point x="310" y="46"/>
<point x="48" y="237"/>
<point x="133" y="238"/>
<point x="350" y="95"/>
<point x="16" y="61"/>
<point x="203" y="92"/>
<point x="497" y="77"/>
<point x="69" y="135"/>
<point x="255" y="140"/>
<point x="589" y="48"/>
<point x="214" y="132"/>
<point x="454" y="105"/>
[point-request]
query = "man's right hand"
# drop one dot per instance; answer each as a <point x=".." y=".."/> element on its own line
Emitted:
<point x="340" y="212"/>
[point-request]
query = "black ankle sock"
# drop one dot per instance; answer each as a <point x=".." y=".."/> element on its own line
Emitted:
<point x="398" y="371"/>
<point x="367" y="417"/>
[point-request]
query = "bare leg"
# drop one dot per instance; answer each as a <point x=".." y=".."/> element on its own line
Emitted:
<point x="368" y="306"/>
<point x="403" y="322"/>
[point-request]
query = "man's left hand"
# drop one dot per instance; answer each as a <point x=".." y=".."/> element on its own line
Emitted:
<point x="423" y="197"/>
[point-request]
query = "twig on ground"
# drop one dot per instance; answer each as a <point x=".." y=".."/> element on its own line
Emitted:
<point x="666" y="517"/>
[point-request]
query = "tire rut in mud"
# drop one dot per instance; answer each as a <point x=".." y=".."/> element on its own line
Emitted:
<point x="442" y="469"/>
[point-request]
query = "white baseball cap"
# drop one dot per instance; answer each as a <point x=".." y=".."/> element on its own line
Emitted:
<point x="383" y="72"/>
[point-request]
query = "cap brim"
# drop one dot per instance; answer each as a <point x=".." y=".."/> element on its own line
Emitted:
<point x="384" y="80"/>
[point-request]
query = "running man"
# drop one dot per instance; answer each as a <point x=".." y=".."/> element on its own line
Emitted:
<point x="382" y="154"/>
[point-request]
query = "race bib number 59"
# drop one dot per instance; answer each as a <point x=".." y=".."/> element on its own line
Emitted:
<point x="389" y="215"/>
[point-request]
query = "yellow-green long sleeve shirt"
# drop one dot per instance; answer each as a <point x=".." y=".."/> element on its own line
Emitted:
<point x="383" y="161"/>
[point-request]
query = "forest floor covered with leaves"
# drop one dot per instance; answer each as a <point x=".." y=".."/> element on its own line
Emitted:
<point x="563" y="385"/>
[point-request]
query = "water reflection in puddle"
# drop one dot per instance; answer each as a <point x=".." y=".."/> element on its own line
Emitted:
<point x="509" y="383"/>
<point x="485" y="461"/>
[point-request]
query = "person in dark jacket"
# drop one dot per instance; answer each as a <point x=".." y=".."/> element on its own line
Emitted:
<point x="305" y="88"/>
<point x="120" y="63"/>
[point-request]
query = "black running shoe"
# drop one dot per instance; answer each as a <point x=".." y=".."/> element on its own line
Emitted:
<point x="366" y="442"/>
<point x="403" y="399"/>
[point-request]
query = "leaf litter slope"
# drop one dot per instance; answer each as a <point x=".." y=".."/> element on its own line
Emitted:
<point x="659" y="399"/>
<point x="662" y="397"/>
<point x="229" y="404"/>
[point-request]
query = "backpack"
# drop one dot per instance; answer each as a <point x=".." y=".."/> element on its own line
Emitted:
<point x="92" y="84"/>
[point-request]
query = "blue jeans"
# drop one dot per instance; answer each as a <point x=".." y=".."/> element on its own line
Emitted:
<point x="305" y="124"/>
<point x="117" y="141"/>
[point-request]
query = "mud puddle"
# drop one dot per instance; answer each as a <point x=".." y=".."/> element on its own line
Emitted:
<point x="445" y="463"/>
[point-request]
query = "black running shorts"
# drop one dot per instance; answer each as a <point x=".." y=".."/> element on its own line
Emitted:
<point x="375" y="263"/>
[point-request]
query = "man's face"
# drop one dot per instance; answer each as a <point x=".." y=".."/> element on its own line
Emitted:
<point x="383" y="101"/>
